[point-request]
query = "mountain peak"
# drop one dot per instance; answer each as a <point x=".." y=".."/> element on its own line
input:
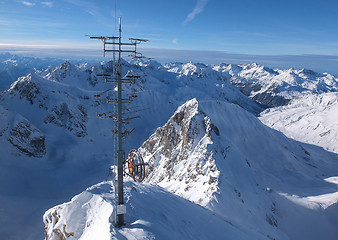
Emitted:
<point x="65" y="65"/>
<point x="307" y="72"/>
<point x="178" y="153"/>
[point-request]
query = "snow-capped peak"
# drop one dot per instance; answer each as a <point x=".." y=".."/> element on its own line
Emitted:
<point x="178" y="154"/>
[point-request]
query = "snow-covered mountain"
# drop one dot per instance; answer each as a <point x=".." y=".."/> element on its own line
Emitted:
<point x="14" y="66"/>
<point x="273" y="88"/>
<point x="53" y="146"/>
<point x="253" y="182"/>
<point x="50" y="139"/>
<point x="312" y="119"/>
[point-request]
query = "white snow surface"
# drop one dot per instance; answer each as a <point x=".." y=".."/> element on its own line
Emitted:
<point x="312" y="119"/>
<point x="153" y="213"/>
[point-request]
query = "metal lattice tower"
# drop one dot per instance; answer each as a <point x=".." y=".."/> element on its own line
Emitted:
<point x="116" y="46"/>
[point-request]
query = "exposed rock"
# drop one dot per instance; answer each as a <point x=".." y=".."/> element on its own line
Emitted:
<point x="28" y="139"/>
<point x="26" y="88"/>
<point x="62" y="71"/>
<point x="72" y="119"/>
<point x="179" y="151"/>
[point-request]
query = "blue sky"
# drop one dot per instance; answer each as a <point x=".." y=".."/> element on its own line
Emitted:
<point x="261" y="27"/>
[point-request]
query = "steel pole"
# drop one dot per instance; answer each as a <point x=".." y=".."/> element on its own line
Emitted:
<point x="120" y="200"/>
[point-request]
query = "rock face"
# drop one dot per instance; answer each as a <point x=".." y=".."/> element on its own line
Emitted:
<point x="72" y="119"/>
<point x="267" y="98"/>
<point x="62" y="71"/>
<point x="28" y="139"/>
<point x="178" y="152"/>
<point x="26" y="88"/>
<point x="22" y="134"/>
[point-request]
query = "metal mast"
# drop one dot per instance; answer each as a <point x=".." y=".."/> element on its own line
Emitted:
<point x="120" y="198"/>
<point x="120" y="209"/>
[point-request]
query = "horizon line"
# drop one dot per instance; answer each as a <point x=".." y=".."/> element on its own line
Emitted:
<point x="317" y="62"/>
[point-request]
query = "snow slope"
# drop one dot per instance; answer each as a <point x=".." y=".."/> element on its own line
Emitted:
<point x="312" y="119"/>
<point x="251" y="181"/>
<point x="153" y="213"/>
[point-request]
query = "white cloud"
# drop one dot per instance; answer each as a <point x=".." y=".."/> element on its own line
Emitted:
<point x="30" y="4"/>
<point x="199" y="7"/>
<point x="47" y="4"/>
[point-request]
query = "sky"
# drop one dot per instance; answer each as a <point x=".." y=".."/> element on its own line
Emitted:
<point x="255" y="28"/>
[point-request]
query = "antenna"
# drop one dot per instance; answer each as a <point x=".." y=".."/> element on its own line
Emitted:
<point x="115" y="15"/>
<point x="134" y="163"/>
